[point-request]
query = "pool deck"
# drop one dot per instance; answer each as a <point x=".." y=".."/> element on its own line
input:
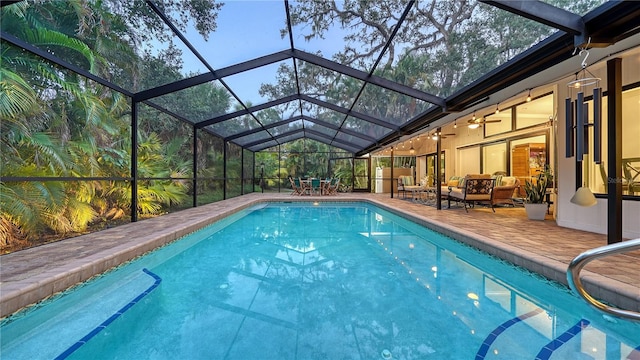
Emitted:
<point x="31" y="275"/>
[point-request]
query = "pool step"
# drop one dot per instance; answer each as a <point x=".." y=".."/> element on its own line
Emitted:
<point x="521" y="336"/>
<point x="95" y="305"/>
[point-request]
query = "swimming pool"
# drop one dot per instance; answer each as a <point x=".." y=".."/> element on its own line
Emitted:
<point x="304" y="281"/>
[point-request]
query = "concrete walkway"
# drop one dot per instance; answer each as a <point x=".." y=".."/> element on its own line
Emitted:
<point x="31" y="275"/>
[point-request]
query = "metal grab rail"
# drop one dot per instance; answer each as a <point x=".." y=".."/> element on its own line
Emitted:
<point x="573" y="275"/>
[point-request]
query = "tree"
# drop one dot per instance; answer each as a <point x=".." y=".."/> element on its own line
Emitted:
<point x="56" y="123"/>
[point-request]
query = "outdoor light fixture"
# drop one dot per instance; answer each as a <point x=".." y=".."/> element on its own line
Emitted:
<point x="473" y="123"/>
<point x="455" y="124"/>
<point x="497" y="109"/>
<point x="412" y="150"/>
<point x="529" y="96"/>
<point x="584" y="197"/>
<point x="576" y="113"/>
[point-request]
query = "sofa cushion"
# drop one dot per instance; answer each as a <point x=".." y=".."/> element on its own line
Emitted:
<point x="507" y="181"/>
<point x="498" y="179"/>
<point x="407" y="180"/>
<point x="457" y="193"/>
<point x="453" y="181"/>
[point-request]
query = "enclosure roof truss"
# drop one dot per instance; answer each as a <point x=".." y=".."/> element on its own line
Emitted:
<point x="315" y="109"/>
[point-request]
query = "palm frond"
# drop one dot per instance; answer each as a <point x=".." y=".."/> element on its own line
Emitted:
<point x="41" y="36"/>
<point x="16" y="96"/>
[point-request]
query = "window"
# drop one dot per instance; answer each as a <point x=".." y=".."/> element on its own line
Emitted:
<point x="535" y="112"/>
<point x="494" y="158"/>
<point x="594" y="175"/>
<point x="528" y="156"/>
<point x="468" y="161"/>
<point x="501" y="126"/>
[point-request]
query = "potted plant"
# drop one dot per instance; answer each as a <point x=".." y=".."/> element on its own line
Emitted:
<point x="536" y="191"/>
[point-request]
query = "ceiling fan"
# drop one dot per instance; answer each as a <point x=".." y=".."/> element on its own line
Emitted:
<point x="474" y="123"/>
<point x="439" y="134"/>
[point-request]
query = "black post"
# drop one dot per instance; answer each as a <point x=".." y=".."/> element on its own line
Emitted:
<point x="195" y="166"/>
<point x="134" y="161"/>
<point x="614" y="152"/>
<point x="262" y="177"/>
<point x="242" y="171"/>
<point x="436" y="177"/>
<point x="224" y="169"/>
<point x="392" y="183"/>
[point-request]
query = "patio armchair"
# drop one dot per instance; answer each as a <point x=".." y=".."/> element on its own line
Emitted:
<point x="403" y="182"/>
<point x="506" y="188"/>
<point x="453" y="182"/>
<point x="473" y="189"/>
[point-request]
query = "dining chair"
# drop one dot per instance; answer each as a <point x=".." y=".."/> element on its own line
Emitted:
<point x="315" y="185"/>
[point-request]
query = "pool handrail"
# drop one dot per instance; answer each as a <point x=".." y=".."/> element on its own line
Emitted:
<point x="573" y="275"/>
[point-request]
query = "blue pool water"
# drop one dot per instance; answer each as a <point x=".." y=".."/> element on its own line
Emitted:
<point x="327" y="281"/>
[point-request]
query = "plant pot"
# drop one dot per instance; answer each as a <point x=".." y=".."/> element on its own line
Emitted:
<point x="536" y="211"/>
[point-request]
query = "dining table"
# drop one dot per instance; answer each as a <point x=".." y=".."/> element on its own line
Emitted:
<point x="307" y="183"/>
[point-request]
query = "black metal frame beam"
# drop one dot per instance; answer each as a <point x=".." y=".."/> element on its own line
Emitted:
<point x="335" y="142"/>
<point x="543" y="13"/>
<point x="348" y="112"/>
<point x="305" y="133"/>
<point x="310" y="119"/>
<point x="174" y="86"/>
<point x="271" y="143"/>
<point x="371" y="79"/>
<point x="8" y="2"/>
<point x="210" y="76"/>
<point x="56" y="60"/>
<point x="257" y="130"/>
<point x="247" y="111"/>
<point x="281" y="56"/>
<point x="339" y="129"/>
<point x="294" y="97"/>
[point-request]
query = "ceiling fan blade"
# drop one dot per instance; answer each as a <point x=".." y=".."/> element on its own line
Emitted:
<point x="492" y="121"/>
